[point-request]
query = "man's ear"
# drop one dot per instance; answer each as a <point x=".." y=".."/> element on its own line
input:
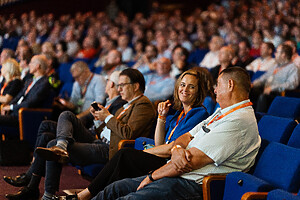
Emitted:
<point x="111" y="84"/>
<point x="136" y="86"/>
<point x="230" y="84"/>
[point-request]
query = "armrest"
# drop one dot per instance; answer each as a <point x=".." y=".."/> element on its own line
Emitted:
<point x="123" y="143"/>
<point x="207" y="182"/>
<point x="254" y="195"/>
<point x="29" y="121"/>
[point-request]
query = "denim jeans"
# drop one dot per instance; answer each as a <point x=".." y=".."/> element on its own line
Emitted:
<point x="83" y="148"/>
<point x="165" y="188"/>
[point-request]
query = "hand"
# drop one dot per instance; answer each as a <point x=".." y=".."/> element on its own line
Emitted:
<point x="5" y="109"/>
<point x="145" y="182"/>
<point x="267" y="90"/>
<point x="163" y="108"/>
<point x="62" y="101"/>
<point x="152" y="66"/>
<point x="101" y="114"/>
<point x="181" y="160"/>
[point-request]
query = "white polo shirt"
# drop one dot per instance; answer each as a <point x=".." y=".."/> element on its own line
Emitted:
<point x="232" y="142"/>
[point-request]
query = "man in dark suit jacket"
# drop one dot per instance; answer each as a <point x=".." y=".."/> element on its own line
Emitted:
<point x="34" y="93"/>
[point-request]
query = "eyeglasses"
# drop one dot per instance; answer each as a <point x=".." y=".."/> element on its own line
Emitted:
<point x="121" y="85"/>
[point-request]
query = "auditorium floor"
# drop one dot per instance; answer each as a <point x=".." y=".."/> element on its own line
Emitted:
<point x="70" y="179"/>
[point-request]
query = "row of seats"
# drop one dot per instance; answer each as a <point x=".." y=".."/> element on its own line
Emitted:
<point x="277" y="165"/>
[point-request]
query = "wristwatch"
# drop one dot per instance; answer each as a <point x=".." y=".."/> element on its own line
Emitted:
<point x="150" y="176"/>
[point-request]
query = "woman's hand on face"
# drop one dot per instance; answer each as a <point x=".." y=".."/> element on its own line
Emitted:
<point x="163" y="108"/>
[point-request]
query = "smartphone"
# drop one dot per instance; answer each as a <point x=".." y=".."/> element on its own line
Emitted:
<point x="95" y="106"/>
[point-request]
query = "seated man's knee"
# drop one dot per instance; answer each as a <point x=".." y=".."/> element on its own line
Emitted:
<point x="66" y="115"/>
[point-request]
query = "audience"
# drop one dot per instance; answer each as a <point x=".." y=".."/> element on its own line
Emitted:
<point x="113" y="63"/>
<point x="144" y="64"/>
<point x="12" y="83"/>
<point x="127" y="52"/>
<point x="236" y="37"/>
<point x="225" y="56"/>
<point x="47" y="132"/>
<point x="197" y="153"/>
<point x="33" y="95"/>
<point x="179" y="61"/>
<point x="159" y="84"/>
<point x="283" y="76"/>
<point x="88" y="87"/>
<point x="244" y="57"/>
<point x="265" y="61"/>
<point x="211" y="58"/>
<point x="188" y="97"/>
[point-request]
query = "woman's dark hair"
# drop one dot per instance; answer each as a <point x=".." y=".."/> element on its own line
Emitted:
<point x="135" y="76"/>
<point x="200" y="95"/>
<point x="63" y="45"/>
<point x="208" y="81"/>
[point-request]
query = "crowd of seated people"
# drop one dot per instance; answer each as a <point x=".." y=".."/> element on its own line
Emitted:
<point x="162" y="48"/>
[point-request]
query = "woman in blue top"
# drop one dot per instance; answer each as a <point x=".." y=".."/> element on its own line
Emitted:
<point x="189" y="94"/>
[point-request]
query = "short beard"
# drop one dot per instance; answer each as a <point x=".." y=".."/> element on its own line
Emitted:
<point x="108" y="67"/>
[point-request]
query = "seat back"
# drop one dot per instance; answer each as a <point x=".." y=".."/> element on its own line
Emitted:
<point x="281" y="194"/>
<point x="279" y="165"/>
<point x="287" y="107"/>
<point x="276" y="129"/>
<point x="256" y="75"/>
<point x="294" y="140"/>
<point x="141" y="141"/>
<point x="29" y="122"/>
<point x="64" y="73"/>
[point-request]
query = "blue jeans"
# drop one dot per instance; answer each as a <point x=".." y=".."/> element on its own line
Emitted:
<point x="83" y="149"/>
<point x="165" y="188"/>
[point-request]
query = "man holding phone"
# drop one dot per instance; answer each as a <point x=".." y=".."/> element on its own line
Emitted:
<point x="78" y="146"/>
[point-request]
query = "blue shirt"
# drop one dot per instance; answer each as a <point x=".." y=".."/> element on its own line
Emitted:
<point x="193" y="117"/>
<point x="159" y="87"/>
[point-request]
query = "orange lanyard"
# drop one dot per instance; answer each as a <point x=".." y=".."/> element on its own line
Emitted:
<point x="2" y="89"/>
<point x="107" y="107"/>
<point x="177" y="122"/>
<point x="28" y="88"/>
<point x="86" y="85"/>
<point x="217" y="117"/>
<point x="279" y="69"/>
<point x="123" y="112"/>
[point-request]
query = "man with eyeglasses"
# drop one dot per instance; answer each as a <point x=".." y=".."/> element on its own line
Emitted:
<point x="88" y="87"/>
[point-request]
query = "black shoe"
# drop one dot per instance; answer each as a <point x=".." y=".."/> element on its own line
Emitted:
<point x="17" y="181"/>
<point x="25" y="194"/>
<point x="53" y="153"/>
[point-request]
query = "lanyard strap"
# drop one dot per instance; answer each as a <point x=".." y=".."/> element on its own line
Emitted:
<point x="86" y="85"/>
<point x="177" y="122"/>
<point x="28" y="88"/>
<point x="2" y="89"/>
<point x="123" y="111"/>
<point x="217" y="117"/>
